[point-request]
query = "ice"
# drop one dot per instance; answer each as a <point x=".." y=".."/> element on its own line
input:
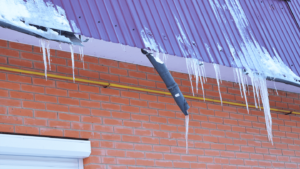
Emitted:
<point x="22" y="13"/>
<point x="250" y="56"/>
<point x="81" y="54"/>
<point x="194" y="68"/>
<point x="72" y="58"/>
<point x="44" y="56"/>
<point x="275" y="87"/>
<point x="186" y="133"/>
<point x="75" y="28"/>
<point x="218" y="79"/>
<point x="48" y="54"/>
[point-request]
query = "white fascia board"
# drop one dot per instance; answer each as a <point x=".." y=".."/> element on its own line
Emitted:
<point x="115" y="51"/>
<point x="43" y="146"/>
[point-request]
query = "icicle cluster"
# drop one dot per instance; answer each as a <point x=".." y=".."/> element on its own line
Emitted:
<point x="250" y="56"/>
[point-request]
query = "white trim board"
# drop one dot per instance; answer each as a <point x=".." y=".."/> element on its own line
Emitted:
<point x="115" y="51"/>
<point x="21" y="145"/>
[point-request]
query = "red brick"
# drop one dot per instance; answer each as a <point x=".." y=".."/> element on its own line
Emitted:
<point x="110" y="106"/>
<point x="117" y="153"/>
<point x="109" y="77"/>
<point x="86" y="73"/>
<point x="68" y="101"/>
<point x="45" y="114"/>
<point x="127" y="65"/>
<point x="122" y="72"/>
<point x="65" y="85"/>
<point x="10" y="120"/>
<point x="9" y="85"/>
<point x="43" y="82"/>
<point x="21" y="95"/>
<point x="146" y="83"/>
<point x="119" y="100"/>
<point x="98" y="68"/>
<point x="91" y="119"/>
<point x="58" y="92"/>
<point x="9" y="52"/>
<point x="103" y="128"/>
<point x="57" y="107"/>
<point x="20" y="112"/>
<point x="45" y="98"/>
<point x="3" y="43"/>
<point x="81" y="95"/>
<point x="96" y="112"/>
<point x="19" y="62"/>
<point x="35" y="122"/>
<point x="123" y="130"/>
<point x="90" y="135"/>
<point x="51" y="132"/>
<point x="92" y="104"/>
<point x="18" y="78"/>
<point x="121" y="115"/>
<point x="3" y="110"/>
<point x="27" y="130"/>
<point x="128" y="80"/>
<point x="81" y="126"/>
<point x="132" y="124"/>
<point x="112" y="122"/>
<point x="92" y="89"/>
<point x="130" y="109"/>
<point x="69" y="117"/>
<point x="79" y="110"/>
<point x="20" y="46"/>
<point x="59" y="124"/>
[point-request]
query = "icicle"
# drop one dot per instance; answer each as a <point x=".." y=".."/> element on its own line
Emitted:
<point x="81" y="55"/>
<point x="217" y="71"/>
<point x="123" y="47"/>
<point x="44" y="57"/>
<point x="186" y="133"/>
<point x="48" y="54"/>
<point x="244" y="88"/>
<point x="72" y="58"/>
<point x="60" y="46"/>
<point x="275" y="87"/>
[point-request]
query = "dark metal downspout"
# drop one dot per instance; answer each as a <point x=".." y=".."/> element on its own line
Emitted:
<point x="170" y="82"/>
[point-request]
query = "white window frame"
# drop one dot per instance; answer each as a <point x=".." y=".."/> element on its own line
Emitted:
<point x="23" y="145"/>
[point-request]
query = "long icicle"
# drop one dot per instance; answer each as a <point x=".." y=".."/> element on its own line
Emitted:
<point x="72" y="58"/>
<point x="48" y="54"/>
<point x="187" y="133"/>
<point x="44" y="56"/>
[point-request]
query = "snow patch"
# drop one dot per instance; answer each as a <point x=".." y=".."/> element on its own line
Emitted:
<point x="22" y="13"/>
<point x="251" y="58"/>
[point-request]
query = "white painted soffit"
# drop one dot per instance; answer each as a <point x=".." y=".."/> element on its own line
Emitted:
<point x="114" y="51"/>
<point x="43" y="146"/>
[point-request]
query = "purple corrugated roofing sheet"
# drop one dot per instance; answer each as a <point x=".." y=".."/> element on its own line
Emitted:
<point x="121" y="21"/>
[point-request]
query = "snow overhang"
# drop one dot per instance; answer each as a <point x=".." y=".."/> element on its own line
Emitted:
<point x="38" y="18"/>
<point x="62" y="36"/>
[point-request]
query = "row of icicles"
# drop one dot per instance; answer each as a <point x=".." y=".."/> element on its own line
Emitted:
<point x="45" y="47"/>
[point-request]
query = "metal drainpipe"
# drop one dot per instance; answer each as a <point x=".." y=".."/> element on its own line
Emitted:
<point x="169" y="81"/>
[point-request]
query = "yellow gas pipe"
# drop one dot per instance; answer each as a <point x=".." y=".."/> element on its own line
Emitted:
<point x="134" y="88"/>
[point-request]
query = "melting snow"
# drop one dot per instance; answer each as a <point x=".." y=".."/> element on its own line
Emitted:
<point x="35" y="12"/>
<point x="252" y="57"/>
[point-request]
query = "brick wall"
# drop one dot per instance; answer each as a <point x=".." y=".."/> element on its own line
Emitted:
<point x="135" y="130"/>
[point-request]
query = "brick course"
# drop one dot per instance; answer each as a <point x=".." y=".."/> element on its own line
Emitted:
<point x="133" y="130"/>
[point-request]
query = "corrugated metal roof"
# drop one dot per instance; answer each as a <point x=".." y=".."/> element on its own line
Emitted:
<point x="121" y="21"/>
